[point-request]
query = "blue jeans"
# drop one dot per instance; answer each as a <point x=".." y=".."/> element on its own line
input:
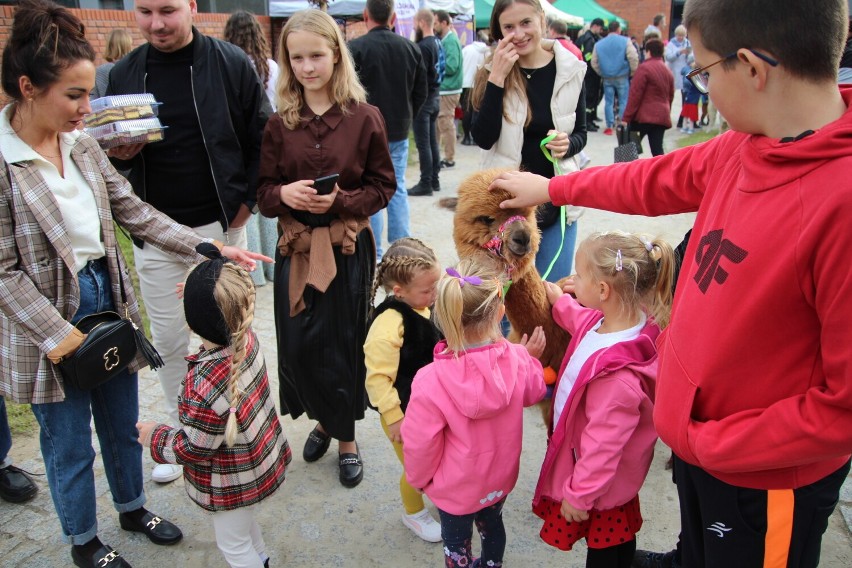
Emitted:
<point x="611" y="87"/>
<point x="398" y="206"/>
<point x="457" y="531"/>
<point x="5" y="435"/>
<point x="66" y="434"/>
<point x="550" y="239"/>
<point x="426" y="138"/>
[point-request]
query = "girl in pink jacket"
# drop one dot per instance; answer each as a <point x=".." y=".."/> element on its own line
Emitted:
<point x="464" y="422"/>
<point x="601" y="432"/>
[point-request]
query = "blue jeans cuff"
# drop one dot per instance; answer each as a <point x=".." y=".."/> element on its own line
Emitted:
<point x="78" y="539"/>
<point x="132" y="506"/>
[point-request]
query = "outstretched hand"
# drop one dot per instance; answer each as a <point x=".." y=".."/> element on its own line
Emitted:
<point x="528" y="189"/>
<point x="535" y="343"/>
<point x="244" y="258"/>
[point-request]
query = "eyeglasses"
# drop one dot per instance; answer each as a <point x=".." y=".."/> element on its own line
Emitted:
<point x="700" y="76"/>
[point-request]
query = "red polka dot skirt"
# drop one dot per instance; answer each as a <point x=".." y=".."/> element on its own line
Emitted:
<point x="602" y="529"/>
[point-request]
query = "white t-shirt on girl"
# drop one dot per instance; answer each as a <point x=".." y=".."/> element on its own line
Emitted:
<point x="591" y="343"/>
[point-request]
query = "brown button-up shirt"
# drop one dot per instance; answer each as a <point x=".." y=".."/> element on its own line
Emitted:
<point x="354" y="146"/>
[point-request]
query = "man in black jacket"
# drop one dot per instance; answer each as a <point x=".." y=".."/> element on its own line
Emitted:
<point x="586" y="43"/>
<point x="391" y="69"/>
<point x="204" y="172"/>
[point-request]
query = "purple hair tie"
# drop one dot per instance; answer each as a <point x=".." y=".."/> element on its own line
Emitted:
<point x="475" y="280"/>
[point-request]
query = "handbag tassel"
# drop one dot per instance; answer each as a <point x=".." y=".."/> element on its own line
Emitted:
<point x="147" y="350"/>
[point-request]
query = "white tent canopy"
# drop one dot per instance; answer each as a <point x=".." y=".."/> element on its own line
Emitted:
<point x="551" y="11"/>
<point x="343" y="8"/>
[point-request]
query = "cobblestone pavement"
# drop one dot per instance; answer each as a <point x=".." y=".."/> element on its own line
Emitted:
<point x="313" y="520"/>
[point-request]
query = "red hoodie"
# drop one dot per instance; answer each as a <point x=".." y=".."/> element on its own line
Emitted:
<point x="755" y="380"/>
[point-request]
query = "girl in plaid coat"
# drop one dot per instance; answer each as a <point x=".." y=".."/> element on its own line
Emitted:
<point x="231" y="444"/>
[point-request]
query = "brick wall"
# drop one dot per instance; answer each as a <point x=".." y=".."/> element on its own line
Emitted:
<point x="639" y="13"/>
<point x="99" y="23"/>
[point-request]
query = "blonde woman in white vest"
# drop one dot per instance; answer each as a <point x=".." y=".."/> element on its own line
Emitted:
<point x="531" y="88"/>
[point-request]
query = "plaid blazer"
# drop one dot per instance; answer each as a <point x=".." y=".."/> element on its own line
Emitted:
<point x="39" y="291"/>
<point x="219" y="478"/>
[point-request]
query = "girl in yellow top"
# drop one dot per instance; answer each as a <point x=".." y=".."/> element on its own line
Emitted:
<point x="400" y="341"/>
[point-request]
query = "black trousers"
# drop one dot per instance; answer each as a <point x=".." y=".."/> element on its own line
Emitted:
<point x="465" y="105"/>
<point x="654" y="132"/>
<point x="725" y="526"/>
<point x="620" y="556"/>
<point x="594" y="93"/>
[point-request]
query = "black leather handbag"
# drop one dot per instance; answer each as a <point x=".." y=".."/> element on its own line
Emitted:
<point x="111" y="344"/>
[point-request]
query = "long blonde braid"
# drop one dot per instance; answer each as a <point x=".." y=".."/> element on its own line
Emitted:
<point x="235" y="295"/>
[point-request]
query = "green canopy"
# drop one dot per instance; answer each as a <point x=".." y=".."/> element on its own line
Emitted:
<point x="482" y="10"/>
<point x="586" y="9"/>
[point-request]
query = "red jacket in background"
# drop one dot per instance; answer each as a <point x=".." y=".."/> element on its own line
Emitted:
<point x="651" y="94"/>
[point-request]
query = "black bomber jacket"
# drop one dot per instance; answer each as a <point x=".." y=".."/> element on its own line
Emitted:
<point x="223" y="79"/>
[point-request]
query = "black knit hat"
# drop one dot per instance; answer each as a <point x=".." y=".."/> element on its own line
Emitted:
<point x="203" y="315"/>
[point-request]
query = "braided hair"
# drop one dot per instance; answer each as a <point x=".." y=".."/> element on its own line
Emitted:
<point x="404" y="259"/>
<point x="235" y="295"/>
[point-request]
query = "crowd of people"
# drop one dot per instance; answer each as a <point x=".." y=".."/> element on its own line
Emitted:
<point x="647" y="358"/>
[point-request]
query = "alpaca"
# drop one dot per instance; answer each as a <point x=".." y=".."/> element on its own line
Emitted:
<point x="512" y="236"/>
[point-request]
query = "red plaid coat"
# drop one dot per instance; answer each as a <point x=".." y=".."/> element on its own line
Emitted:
<point x="217" y="477"/>
<point x="39" y="292"/>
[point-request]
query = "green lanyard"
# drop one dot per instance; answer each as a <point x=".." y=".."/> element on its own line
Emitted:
<point x="558" y="170"/>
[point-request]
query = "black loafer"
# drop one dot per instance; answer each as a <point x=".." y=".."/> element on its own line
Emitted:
<point x="316" y="445"/>
<point x="106" y="556"/>
<point x="15" y="485"/>
<point x="351" y="469"/>
<point x="157" y="529"/>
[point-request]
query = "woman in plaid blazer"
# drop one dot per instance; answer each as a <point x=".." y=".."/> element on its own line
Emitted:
<point x="59" y="199"/>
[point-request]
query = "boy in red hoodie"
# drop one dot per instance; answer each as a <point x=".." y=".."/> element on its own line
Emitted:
<point x="755" y="382"/>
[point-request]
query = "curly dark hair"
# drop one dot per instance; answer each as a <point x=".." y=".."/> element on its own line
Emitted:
<point x="243" y="30"/>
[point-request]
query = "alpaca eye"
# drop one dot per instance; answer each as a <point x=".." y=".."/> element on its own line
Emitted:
<point x="485" y="220"/>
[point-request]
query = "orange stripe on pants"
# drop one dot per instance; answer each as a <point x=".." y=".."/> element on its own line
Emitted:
<point x="779" y="527"/>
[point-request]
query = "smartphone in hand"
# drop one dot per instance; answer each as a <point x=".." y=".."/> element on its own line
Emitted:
<point x="325" y="185"/>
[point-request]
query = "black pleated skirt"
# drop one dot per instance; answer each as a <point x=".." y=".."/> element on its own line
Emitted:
<point x="321" y="350"/>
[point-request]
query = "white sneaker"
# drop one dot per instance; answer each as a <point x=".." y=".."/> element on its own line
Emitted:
<point x="423" y="525"/>
<point x="166" y="472"/>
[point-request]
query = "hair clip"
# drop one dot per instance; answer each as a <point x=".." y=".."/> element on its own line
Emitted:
<point x="619" y="262"/>
<point x="475" y="280"/>
<point x="648" y="246"/>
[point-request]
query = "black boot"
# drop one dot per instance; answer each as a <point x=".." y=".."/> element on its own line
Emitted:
<point x="419" y="190"/>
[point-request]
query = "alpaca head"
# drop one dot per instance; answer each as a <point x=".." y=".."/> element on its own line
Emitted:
<point x="480" y="224"/>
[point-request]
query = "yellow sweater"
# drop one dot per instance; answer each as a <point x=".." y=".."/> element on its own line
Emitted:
<point x="381" y="356"/>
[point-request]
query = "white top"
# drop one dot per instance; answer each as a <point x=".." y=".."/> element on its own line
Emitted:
<point x="473" y="57"/>
<point x="73" y="194"/>
<point x="591" y="343"/>
<point x="271" y="81"/>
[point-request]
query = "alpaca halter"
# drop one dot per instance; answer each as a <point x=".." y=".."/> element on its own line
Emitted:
<point x="495" y="245"/>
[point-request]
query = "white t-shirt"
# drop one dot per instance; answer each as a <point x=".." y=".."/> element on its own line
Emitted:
<point x="590" y="344"/>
